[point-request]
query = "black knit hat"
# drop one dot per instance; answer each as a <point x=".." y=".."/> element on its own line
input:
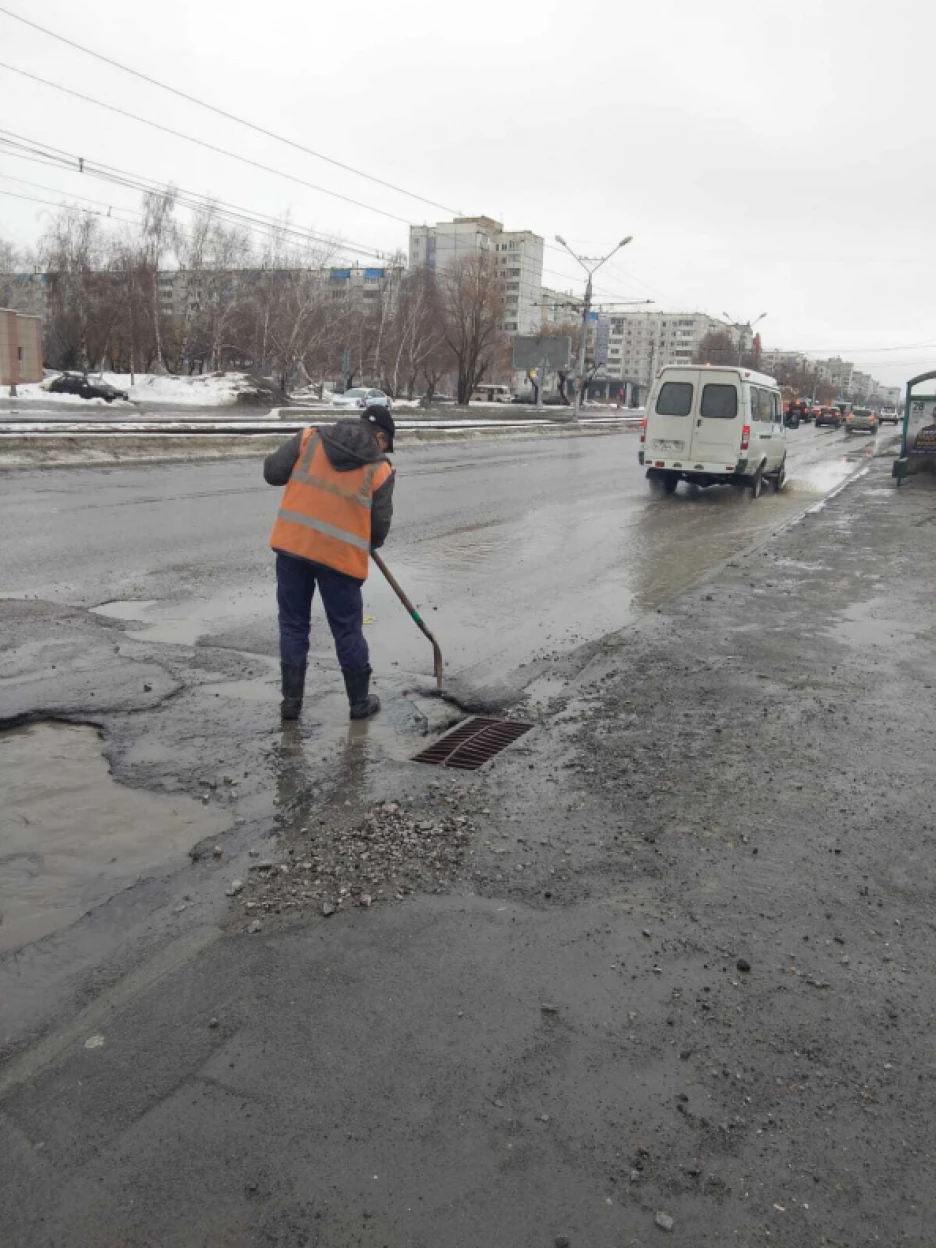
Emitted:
<point x="379" y="416"/>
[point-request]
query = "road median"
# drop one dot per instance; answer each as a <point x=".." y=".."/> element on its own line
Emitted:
<point x="48" y="448"/>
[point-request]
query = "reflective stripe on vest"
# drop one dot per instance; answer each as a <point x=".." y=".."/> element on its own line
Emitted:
<point x="310" y="522"/>
<point x="320" y="518"/>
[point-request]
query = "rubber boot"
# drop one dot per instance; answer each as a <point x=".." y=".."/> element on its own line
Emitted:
<point x="293" y="688"/>
<point x="363" y="703"/>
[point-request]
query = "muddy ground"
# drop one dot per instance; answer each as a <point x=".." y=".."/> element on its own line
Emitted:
<point x="662" y="972"/>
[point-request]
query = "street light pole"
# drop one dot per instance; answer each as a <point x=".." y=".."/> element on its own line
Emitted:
<point x="741" y="326"/>
<point x="591" y="267"/>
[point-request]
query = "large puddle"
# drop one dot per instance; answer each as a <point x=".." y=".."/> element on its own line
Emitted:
<point x="71" y="836"/>
<point x="184" y="623"/>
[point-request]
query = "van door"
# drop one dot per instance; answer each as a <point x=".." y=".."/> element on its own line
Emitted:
<point x="669" y="421"/>
<point x="778" y="445"/>
<point x="716" y="436"/>
<point x="767" y="440"/>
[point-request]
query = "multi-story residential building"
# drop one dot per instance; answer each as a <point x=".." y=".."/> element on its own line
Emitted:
<point x="559" y="308"/>
<point x="639" y="343"/>
<point x="515" y="257"/>
<point x="26" y="292"/>
<point x="779" y="360"/>
<point x="182" y="291"/>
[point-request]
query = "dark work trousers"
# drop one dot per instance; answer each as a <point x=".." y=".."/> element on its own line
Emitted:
<point x="296" y="580"/>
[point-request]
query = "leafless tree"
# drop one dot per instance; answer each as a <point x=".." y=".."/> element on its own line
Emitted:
<point x="159" y="237"/>
<point x="289" y="307"/>
<point x="472" y="319"/>
<point x="83" y="289"/>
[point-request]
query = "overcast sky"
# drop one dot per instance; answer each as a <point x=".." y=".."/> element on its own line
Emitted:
<point x="773" y="156"/>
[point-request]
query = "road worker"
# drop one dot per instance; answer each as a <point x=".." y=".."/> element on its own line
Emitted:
<point x="337" y="506"/>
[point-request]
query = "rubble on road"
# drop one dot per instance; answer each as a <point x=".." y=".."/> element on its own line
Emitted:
<point x="387" y="854"/>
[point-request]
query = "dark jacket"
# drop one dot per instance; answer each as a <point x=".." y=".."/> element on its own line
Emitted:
<point x="348" y="444"/>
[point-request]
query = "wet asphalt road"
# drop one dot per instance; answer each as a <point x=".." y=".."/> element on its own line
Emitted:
<point x="513" y="550"/>
<point x="565" y="1042"/>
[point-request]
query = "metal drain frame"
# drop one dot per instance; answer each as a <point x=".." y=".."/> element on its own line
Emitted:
<point x="469" y="745"/>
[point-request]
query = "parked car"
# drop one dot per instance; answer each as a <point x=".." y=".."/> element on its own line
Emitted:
<point x="890" y="415"/>
<point x="78" y="383"/>
<point x="830" y="416"/>
<point x="862" y="420"/>
<point x="361" y="396"/>
<point x="713" y="426"/>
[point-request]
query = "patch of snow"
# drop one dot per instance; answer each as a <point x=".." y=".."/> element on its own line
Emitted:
<point x="206" y="390"/>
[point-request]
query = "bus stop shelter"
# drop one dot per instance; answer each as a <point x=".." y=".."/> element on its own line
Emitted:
<point x="920" y="453"/>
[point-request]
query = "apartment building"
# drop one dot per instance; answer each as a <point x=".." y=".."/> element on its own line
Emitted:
<point x="183" y="291"/>
<point x="559" y="308"/>
<point x="779" y="360"/>
<point x="639" y="343"/>
<point x="515" y="256"/>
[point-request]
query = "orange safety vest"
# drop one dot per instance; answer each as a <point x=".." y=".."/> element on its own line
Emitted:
<point x="325" y="515"/>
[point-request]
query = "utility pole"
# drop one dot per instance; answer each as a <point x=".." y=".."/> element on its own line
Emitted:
<point x="591" y="267"/>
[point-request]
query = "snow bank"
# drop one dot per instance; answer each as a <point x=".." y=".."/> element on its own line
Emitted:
<point x="207" y="390"/>
<point x="36" y="394"/>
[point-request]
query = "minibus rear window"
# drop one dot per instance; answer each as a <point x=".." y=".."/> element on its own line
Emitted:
<point x="675" y="398"/>
<point x="719" y="402"/>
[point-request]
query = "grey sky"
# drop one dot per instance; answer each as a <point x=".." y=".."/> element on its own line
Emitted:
<point x="774" y="156"/>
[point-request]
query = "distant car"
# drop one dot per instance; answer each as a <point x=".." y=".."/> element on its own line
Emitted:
<point x="862" y="420"/>
<point x="830" y="416"/>
<point x="889" y="414"/>
<point x="794" y="412"/>
<point x="361" y="397"/>
<point x="78" y="383"/>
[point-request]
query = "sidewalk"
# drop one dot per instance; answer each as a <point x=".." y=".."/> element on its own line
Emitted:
<point x="674" y="956"/>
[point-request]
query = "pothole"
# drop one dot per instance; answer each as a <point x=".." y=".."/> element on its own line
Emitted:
<point x="71" y="836"/>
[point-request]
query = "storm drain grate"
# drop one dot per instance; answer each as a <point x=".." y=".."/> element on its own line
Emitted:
<point x="471" y="744"/>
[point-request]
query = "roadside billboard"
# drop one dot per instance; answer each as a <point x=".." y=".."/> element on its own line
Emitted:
<point x="535" y="350"/>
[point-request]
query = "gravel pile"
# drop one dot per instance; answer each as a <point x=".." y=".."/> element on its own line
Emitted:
<point x="384" y="856"/>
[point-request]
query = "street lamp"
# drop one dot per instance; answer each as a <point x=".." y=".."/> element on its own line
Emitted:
<point x="741" y="326"/>
<point x="591" y="267"/>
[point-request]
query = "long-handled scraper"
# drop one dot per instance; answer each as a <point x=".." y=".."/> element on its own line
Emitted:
<point x="397" y="589"/>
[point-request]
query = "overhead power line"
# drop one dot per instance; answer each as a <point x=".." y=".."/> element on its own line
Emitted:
<point x="189" y="138"/>
<point x="51" y="203"/>
<point x="267" y="227"/>
<point x="221" y="112"/>
<point x="25" y="149"/>
<point x="259" y="225"/>
<point x="29" y="149"/>
<point x="54" y="190"/>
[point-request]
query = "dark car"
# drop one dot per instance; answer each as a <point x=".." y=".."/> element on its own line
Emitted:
<point x="795" y="411"/>
<point x="830" y="416"/>
<point x="78" y="383"/>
